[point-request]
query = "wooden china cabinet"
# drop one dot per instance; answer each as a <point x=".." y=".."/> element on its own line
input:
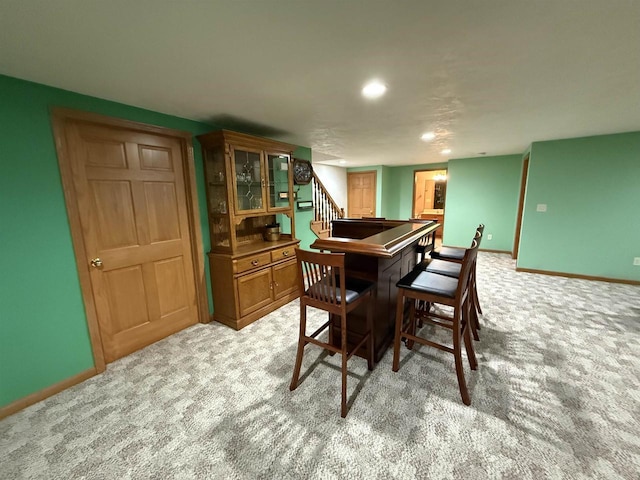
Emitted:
<point x="249" y="185"/>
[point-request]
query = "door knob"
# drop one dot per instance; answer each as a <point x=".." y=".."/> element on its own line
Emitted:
<point x="96" y="262"/>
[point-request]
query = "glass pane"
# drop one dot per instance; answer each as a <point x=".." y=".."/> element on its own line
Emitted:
<point x="220" y="236"/>
<point x="278" y="193"/>
<point x="248" y="180"/>
<point x="217" y="197"/>
<point x="216" y="181"/>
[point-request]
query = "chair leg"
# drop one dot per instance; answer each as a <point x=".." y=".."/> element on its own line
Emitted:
<point x="301" y="344"/>
<point x="370" y="328"/>
<point x="396" y="341"/>
<point x="476" y="300"/>
<point x="473" y="321"/>
<point x="331" y="354"/>
<point x="412" y="322"/>
<point x="457" y="353"/>
<point x="343" y="405"/>
<point x="471" y="354"/>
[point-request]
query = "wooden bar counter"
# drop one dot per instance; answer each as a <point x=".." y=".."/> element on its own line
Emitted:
<point x="381" y="251"/>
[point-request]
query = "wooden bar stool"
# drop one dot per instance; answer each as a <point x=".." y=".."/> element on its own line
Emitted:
<point x="330" y="290"/>
<point x="455" y="254"/>
<point x="432" y="288"/>
<point x="427" y="243"/>
<point x="451" y="268"/>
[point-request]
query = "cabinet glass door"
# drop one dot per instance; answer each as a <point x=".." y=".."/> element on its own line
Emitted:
<point x="247" y="166"/>
<point x="215" y="175"/>
<point x="278" y="194"/>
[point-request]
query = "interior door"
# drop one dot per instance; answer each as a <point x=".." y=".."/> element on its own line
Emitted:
<point x="131" y="202"/>
<point x="361" y="191"/>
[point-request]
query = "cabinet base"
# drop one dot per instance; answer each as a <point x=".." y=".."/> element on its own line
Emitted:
<point x="239" y="323"/>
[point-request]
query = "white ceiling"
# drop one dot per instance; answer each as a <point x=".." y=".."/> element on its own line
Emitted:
<point x="487" y="76"/>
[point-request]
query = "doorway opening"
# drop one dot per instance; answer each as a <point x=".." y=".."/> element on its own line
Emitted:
<point x="429" y="195"/>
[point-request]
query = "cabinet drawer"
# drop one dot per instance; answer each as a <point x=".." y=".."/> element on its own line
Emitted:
<point x="282" y="253"/>
<point x="249" y="263"/>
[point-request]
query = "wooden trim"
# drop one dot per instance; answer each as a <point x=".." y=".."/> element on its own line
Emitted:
<point x="523" y="187"/>
<point x="46" y="393"/>
<point x="59" y="117"/>
<point x="576" y="275"/>
<point x="197" y="247"/>
<point x="488" y="250"/>
<point x="232" y="138"/>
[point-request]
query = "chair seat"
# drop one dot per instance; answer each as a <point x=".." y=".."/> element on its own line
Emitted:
<point x="448" y="252"/>
<point x="442" y="267"/>
<point x="428" y="282"/>
<point x="354" y="289"/>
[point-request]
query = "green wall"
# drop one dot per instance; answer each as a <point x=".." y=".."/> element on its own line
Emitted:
<point x="43" y="331"/>
<point x="304" y="217"/>
<point x="483" y="190"/>
<point x="592" y="222"/>
<point x="398" y="197"/>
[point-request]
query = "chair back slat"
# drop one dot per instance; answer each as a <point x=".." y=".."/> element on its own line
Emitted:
<point x="320" y="275"/>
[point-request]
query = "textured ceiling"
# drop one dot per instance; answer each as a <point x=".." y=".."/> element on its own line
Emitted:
<point x="486" y="76"/>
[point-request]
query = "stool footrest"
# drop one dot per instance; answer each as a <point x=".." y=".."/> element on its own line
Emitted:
<point x="355" y="349"/>
<point x="322" y="344"/>
<point x="424" y="341"/>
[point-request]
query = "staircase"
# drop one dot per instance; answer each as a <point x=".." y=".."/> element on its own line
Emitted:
<point x="325" y="209"/>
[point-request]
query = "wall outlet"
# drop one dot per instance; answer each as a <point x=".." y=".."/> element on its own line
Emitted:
<point x="636" y="261"/>
<point x="542" y="207"/>
<point x="489" y="236"/>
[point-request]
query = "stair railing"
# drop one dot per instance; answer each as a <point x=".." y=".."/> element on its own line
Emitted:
<point x="325" y="208"/>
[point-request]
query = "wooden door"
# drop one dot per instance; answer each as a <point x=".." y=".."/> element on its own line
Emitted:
<point x="361" y="194"/>
<point x="131" y="200"/>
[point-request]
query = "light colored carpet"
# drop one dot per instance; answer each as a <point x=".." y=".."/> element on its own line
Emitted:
<point x="556" y="395"/>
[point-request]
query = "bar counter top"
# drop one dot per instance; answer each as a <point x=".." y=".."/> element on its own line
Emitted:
<point x="385" y="238"/>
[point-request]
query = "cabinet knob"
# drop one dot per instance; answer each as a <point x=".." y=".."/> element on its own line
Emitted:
<point x="285" y="253"/>
<point x="255" y="262"/>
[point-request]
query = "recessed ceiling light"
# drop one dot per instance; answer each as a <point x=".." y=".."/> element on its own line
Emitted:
<point x="446" y="151"/>
<point x="427" y="137"/>
<point x="342" y="162"/>
<point x="374" y="89"/>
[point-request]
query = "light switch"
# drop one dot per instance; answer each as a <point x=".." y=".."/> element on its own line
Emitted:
<point x="542" y="207"/>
